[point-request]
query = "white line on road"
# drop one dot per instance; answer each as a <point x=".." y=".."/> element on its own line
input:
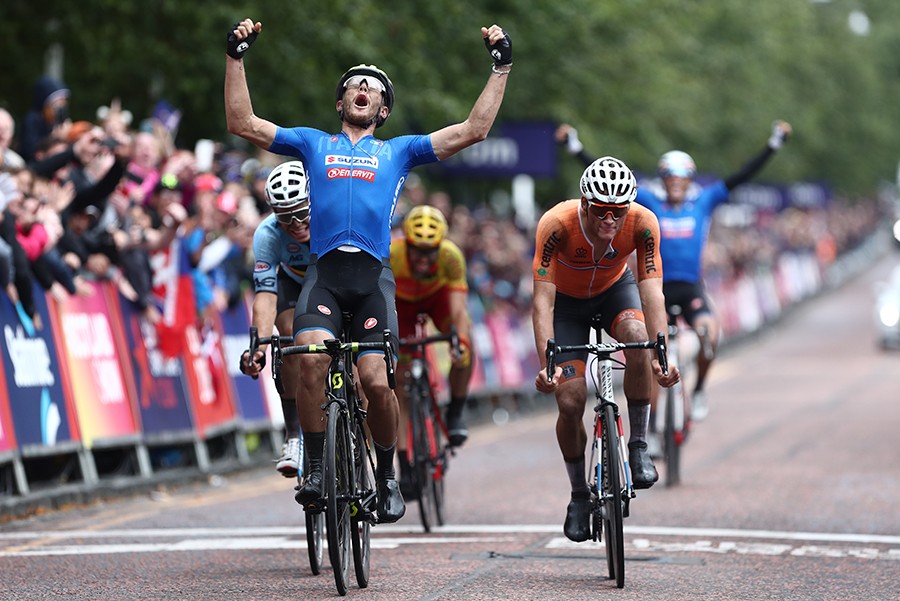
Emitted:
<point x="35" y="543"/>
<point x="222" y="544"/>
<point x="393" y="530"/>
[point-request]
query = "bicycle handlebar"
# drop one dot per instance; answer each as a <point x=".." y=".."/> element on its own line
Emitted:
<point x="452" y="338"/>
<point x="332" y="347"/>
<point x="605" y="349"/>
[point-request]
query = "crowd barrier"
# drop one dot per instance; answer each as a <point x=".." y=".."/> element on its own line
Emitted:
<point x="89" y="397"/>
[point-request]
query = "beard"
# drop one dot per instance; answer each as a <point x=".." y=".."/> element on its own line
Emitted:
<point x="359" y="119"/>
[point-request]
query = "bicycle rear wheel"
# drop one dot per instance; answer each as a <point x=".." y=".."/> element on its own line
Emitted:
<point x="611" y="497"/>
<point x="315" y="529"/>
<point x="362" y="508"/>
<point x="671" y="444"/>
<point x="338" y="487"/>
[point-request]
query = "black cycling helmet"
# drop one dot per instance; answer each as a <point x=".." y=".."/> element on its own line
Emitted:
<point x="374" y="71"/>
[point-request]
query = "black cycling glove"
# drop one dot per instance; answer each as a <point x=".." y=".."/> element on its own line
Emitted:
<point x="243" y="365"/>
<point x="235" y="48"/>
<point x="501" y="52"/>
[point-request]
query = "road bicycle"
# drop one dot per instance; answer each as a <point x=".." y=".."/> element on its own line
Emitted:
<point x="349" y="497"/>
<point x="315" y="520"/>
<point x="673" y="414"/>
<point x="427" y="451"/>
<point x="609" y="476"/>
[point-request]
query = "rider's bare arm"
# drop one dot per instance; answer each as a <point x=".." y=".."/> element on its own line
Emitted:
<point x="453" y="138"/>
<point x="239" y="115"/>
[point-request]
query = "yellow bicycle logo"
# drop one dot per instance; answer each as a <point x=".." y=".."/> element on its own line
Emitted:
<point x="337" y="380"/>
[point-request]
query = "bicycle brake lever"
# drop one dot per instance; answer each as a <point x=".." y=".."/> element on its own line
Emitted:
<point x="389" y="359"/>
<point x="551" y="358"/>
<point x="454" y="341"/>
<point x="277" y="362"/>
<point x="251" y="352"/>
<point x="662" y="352"/>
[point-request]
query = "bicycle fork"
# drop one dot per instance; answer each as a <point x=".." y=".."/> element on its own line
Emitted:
<point x="606" y="397"/>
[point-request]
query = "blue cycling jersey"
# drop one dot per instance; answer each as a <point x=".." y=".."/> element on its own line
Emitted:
<point x="683" y="230"/>
<point x="353" y="188"/>
<point x="273" y="248"/>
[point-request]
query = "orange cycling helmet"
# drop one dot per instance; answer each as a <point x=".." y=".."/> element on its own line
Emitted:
<point x="425" y="226"/>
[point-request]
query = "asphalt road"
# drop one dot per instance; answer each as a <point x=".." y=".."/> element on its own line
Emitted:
<point x="791" y="491"/>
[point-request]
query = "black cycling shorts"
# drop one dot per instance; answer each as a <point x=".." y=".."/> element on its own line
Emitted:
<point x="288" y="292"/>
<point x="690" y="296"/>
<point x="356" y="283"/>
<point x="573" y="318"/>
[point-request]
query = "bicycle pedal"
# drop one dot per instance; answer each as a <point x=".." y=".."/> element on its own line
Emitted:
<point x="314" y="507"/>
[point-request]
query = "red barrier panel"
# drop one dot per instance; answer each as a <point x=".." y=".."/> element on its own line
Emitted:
<point x="210" y="386"/>
<point x="83" y="327"/>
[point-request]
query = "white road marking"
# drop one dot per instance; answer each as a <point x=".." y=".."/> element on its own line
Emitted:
<point x="885" y="539"/>
<point x="219" y="544"/>
<point x="641" y="538"/>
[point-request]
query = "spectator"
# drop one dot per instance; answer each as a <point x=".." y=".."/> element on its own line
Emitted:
<point x="10" y="160"/>
<point x="49" y="114"/>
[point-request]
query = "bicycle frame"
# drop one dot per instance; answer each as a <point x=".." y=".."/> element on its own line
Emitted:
<point x="604" y="394"/>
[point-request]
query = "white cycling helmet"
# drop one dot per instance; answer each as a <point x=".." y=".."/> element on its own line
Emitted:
<point x="677" y="163"/>
<point x="287" y="187"/>
<point x="608" y="181"/>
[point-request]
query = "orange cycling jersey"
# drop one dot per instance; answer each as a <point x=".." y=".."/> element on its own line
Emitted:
<point x="449" y="272"/>
<point x="566" y="258"/>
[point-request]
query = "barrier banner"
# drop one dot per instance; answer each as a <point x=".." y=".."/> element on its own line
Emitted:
<point x="249" y="394"/>
<point x="41" y="414"/>
<point x="210" y="387"/>
<point x="509" y="368"/>
<point x="7" y="432"/>
<point x="83" y="326"/>
<point x="159" y="380"/>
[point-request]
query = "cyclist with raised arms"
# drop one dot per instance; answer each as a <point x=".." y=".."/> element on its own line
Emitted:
<point x="355" y="183"/>
<point x="684" y="210"/>
<point x="430" y="272"/>
<point x="281" y="258"/>
<point x="580" y="272"/>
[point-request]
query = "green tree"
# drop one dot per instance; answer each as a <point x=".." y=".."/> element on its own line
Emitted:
<point x="636" y="77"/>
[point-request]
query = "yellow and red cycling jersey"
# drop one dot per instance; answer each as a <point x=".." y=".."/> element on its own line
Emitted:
<point x="566" y="258"/>
<point x="430" y="295"/>
<point x="449" y="272"/>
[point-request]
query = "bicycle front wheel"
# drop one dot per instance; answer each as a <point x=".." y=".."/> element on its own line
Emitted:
<point x="422" y="433"/>
<point x="338" y="488"/>
<point x="611" y="497"/>
<point x="363" y="505"/>
<point x="438" y="462"/>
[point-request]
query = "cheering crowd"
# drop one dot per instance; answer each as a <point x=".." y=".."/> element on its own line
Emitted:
<point x="93" y="200"/>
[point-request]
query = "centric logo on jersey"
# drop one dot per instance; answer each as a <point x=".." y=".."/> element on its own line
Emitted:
<point x="293" y="247"/>
<point x="370" y="323"/>
<point x="324" y="310"/>
<point x="261" y="266"/>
